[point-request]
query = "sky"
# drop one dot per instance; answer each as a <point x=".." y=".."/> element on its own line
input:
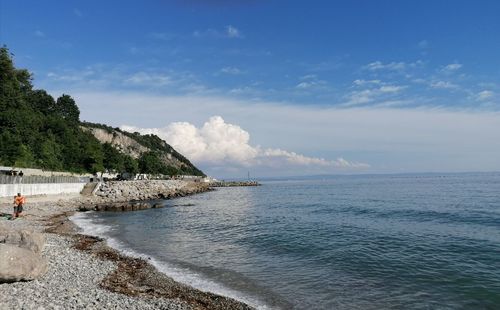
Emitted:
<point x="278" y="88"/>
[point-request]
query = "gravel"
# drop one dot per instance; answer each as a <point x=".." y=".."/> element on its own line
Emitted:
<point x="74" y="277"/>
<point x="72" y="282"/>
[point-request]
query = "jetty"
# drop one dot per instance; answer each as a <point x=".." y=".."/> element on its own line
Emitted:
<point x="234" y="183"/>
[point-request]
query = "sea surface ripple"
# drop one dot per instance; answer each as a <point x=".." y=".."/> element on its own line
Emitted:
<point x="426" y="241"/>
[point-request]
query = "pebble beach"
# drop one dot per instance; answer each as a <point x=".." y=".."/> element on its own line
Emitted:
<point x="90" y="275"/>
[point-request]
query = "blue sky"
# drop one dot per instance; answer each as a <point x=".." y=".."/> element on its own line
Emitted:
<point x="290" y="87"/>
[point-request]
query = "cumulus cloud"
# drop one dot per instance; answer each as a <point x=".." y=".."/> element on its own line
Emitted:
<point x="218" y="142"/>
<point x="420" y="139"/>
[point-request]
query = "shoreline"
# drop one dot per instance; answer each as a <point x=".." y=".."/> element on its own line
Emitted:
<point x="120" y="281"/>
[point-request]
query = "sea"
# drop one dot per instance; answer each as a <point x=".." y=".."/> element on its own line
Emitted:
<point x="412" y="241"/>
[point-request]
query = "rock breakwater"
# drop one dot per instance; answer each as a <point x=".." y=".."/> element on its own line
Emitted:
<point x="130" y="195"/>
<point x="234" y="183"/>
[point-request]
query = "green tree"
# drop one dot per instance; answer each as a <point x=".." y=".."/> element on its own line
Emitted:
<point x="38" y="131"/>
<point x="130" y="165"/>
<point x="113" y="159"/>
<point x="50" y="153"/>
<point x="25" y="79"/>
<point x="10" y="88"/>
<point x="9" y="146"/>
<point x="170" y="170"/>
<point x="25" y="157"/>
<point x="41" y="101"/>
<point x="67" y="108"/>
<point x="150" y="163"/>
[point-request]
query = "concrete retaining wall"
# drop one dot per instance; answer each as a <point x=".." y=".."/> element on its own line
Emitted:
<point x="7" y="190"/>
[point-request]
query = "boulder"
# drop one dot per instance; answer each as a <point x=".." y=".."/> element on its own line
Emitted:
<point x="23" y="238"/>
<point x="20" y="264"/>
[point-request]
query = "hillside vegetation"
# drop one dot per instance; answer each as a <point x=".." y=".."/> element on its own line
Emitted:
<point x="38" y="131"/>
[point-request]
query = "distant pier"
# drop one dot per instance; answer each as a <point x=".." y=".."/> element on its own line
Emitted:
<point x="234" y="183"/>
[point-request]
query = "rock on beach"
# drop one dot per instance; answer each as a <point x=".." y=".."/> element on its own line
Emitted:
<point x="20" y="255"/>
<point x="20" y="264"/>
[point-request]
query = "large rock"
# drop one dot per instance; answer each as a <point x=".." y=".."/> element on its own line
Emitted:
<point x="23" y="238"/>
<point x="20" y="264"/>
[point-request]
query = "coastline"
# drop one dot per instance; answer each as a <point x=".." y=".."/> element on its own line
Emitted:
<point x="84" y="272"/>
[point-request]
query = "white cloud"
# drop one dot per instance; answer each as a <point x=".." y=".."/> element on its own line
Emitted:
<point x="218" y="142"/>
<point x="232" y="32"/>
<point x="362" y="82"/>
<point x="148" y="79"/>
<point x="243" y="90"/>
<point x="378" y="65"/>
<point x="71" y="76"/>
<point x="298" y="159"/>
<point x="421" y="139"/>
<point x="392" y="66"/>
<point x="451" y="68"/>
<point x="311" y="81"/>
<point x="305" y="85"/>
<point x="309" y="77"/>
<point x="231" y="70"/>
<point x="361" y="97"/>
<point x="443" y="85"/>
<point x="364" y="96"/>
<point x="485" y="95"/>
<point x="391" y="89"/>
<point x="311" y="84"/>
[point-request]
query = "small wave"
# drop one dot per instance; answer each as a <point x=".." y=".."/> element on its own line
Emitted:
<point x="88" y="226"/>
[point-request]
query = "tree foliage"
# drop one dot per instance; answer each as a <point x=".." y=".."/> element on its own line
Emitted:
<point x="40" y="132"/>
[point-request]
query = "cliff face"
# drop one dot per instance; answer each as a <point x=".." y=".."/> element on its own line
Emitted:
<point x="120" y="141"/>
<point x="134" y="145"/>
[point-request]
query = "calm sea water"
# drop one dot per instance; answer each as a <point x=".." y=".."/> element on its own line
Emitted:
<point x="353" y="242"/>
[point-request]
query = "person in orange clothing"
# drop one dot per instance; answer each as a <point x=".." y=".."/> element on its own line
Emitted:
<point x="19" y="201"/>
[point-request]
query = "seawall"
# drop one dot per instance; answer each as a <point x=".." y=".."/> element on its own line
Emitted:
<point x="7" y="190"/>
